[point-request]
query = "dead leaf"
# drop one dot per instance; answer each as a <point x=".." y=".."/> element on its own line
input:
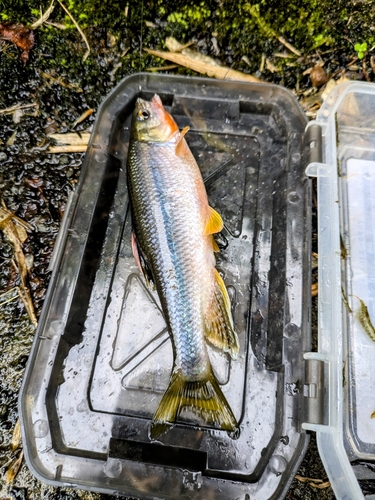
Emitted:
<point x="314" y="289"/>
<point x="15" y="235"/>
<point x="11" y="139"/>
<point x="318" y="76"/>
<point x="13" y="469"/>
<point x="21" y="36"/>
<point x="16" y="437"/>
<point x="365" y="320"/>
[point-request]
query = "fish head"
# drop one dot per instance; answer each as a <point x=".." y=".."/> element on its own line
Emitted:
<point x="151" y="122"/>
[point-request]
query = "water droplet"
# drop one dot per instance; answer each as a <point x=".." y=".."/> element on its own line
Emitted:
<point x="293" y="197"/>
<point x="112" y="467"/>
<point x="40" y="428"/>
<point x="277" y="464"/>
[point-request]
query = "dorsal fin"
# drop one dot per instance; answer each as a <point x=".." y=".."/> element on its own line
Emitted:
<point x="214" y="222"/>
<point x="181" y="146"/>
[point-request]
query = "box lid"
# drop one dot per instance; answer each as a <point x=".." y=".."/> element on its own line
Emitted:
<point x="102" y="356"/>
<point x="345" y="126"/>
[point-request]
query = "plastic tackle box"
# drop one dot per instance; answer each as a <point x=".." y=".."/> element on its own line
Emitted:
<point x="102" y="355"/>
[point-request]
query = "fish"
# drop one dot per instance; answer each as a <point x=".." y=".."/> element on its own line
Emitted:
<point x="173" y="244"/>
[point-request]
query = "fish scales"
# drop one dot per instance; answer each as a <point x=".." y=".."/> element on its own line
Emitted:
<point x="169" y="229"/>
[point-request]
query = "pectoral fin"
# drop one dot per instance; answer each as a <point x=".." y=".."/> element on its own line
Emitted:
<point x="142" y="263"/>
<point x="181" y="146"/>
<point x="219" y="328"/>
<point x="214" y="222"/>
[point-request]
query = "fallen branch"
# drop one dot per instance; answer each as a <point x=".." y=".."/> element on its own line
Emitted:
<point x="221" y="72"/>
<point x="70" y="143"/>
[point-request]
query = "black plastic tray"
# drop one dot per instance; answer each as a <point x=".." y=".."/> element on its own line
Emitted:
<point x="102" y="357"/>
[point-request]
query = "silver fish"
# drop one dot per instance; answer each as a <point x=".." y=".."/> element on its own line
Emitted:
<point x="172" y="241"/>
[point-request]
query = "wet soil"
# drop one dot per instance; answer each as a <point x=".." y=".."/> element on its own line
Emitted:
<point x="59" y="86"/>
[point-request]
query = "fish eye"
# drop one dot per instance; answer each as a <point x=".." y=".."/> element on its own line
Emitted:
<point x="144" y="115"/>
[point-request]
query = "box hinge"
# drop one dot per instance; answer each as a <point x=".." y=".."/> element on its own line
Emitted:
<point x="313" y="144"/>
<point x="314" y="391"/>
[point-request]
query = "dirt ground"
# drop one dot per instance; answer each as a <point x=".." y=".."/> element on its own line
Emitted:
<point x="53" y="78"/>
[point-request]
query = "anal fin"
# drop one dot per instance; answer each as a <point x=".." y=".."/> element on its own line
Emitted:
<point x="219" y="328"/>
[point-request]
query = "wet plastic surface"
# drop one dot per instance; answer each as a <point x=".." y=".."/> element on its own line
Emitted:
<point x="102" y="356"/>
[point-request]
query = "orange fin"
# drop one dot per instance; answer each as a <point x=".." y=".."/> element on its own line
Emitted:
<point x="142" y="263"/>
<point x="214" y="222"/>
<point x="203" y="397"/>
<point x="181" y="146"/>
<point x="219" y="328"/>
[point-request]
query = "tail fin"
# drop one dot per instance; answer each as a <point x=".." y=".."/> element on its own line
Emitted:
<point x="219" y="329"/>
<point x="203" y="397"/>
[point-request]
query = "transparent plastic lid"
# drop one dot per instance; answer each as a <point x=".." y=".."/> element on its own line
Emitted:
<point x="346" y="235"/>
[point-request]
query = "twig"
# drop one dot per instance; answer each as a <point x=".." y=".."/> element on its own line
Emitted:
<point x="182" y="47"/>
<point x="364" y="71"/>
<point x="56" y="25"/>
<point x="83" y="117"/>
<point x="254" y="11"/>
<point x="314" y="483"/>
<point x="43" y="17"/>
<point x="162" y="68"/>
<point x="16" y="107"/>
<point x="289" y="46"/>
<point x="72" y="86"/>
<point x="86" y="55"/>
<point x="67" y="149"/>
